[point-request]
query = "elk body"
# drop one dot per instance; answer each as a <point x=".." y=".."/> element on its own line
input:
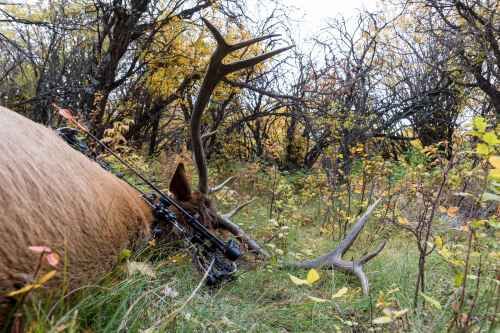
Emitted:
<point x="52" y="195"/>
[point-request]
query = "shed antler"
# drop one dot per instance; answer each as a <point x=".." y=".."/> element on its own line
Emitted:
<point x="216" y="72"/>
<point x="334" y="258"/>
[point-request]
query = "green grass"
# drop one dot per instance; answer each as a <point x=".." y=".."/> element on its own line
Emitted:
<point x="262" y="298"/>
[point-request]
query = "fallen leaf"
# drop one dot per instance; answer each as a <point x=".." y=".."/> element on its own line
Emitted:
<point x="382" y="320"/>
<point x="341" y="292"/>
<point x="400" y="313"/>
<point x="312" y="276"/>
<point x="482" y="149"/>
<point x="439" y="242"/>
<point x="317" y="300"/>
<point x="495" y="161"/>
<point x="403" y="220"/>
<point x="140" y="267"/>
<point x="297" y="281"/>
<point x="21" y="291"/>
<point x="44" y="279"/>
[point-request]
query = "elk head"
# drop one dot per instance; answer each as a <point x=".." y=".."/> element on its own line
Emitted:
<point x="199" y="201"/>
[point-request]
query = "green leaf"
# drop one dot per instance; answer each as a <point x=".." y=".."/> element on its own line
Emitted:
<point x="479" y="124"/>
<point x="459" y="279"/>
<point x="439" y="242"/>
<point x="490" y="138"/>
<point x="482" y="149"/>
<point x="494" y="224"/>
<point x="487" y="196"/>
<point x="125" y="254"/>
<point x="431" y="301"/>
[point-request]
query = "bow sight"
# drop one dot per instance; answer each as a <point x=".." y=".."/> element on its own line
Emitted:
<point x="162" y="212"/>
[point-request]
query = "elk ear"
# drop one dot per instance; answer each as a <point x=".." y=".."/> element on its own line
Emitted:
<point x="179" y="185"/>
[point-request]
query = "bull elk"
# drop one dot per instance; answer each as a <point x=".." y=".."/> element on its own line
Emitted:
<point x="52" y="195"/>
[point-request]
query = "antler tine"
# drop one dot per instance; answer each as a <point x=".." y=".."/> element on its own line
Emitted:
<point x="215" y="73"/>
<point x="249" y="42"/>
<point x="356" y="229"/>
<point x="221" y="42"/>
<point x="239" y="65"/>
<point x="237" y="209"/>
<point x="219" y="187"/>
<point x="334" y="258"/>
<point x="253" y="246"/>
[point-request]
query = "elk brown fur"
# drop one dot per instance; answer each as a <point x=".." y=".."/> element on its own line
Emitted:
<point x="52" y="195"/>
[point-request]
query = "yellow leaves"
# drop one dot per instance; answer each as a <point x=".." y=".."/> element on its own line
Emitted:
<point x="438" y="241"/>
<point x="297" y="281"/>
<point x="403" y="220"/>
<point x="490" y="138"/>
<point x="495" y="161"/>
<point x="483" y="149"/>
<point x="124" y="255"/>
<point x="447" y="255"/>
<point x="45" y="278"/>
<point x="479" y="124"/>
<point x="495" y="172"/>
<point x="341" y="292"/>
<point x="417" y="144"/>
<point x="312" y="277"/>
<point x="390" y="316"/>
<point x="317" y="300"/>
<point x="39" y="283"/>
<point x="450" y="211"/>
<point x="382" y="320"/>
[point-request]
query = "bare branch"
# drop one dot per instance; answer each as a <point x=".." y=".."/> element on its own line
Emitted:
<point x="261" y="91"/>
<point x="249" y="42"/>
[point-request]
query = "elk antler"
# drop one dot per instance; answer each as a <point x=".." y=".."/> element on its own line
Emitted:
<point x="334" y="258"/>
<point x="216" y="71"/>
